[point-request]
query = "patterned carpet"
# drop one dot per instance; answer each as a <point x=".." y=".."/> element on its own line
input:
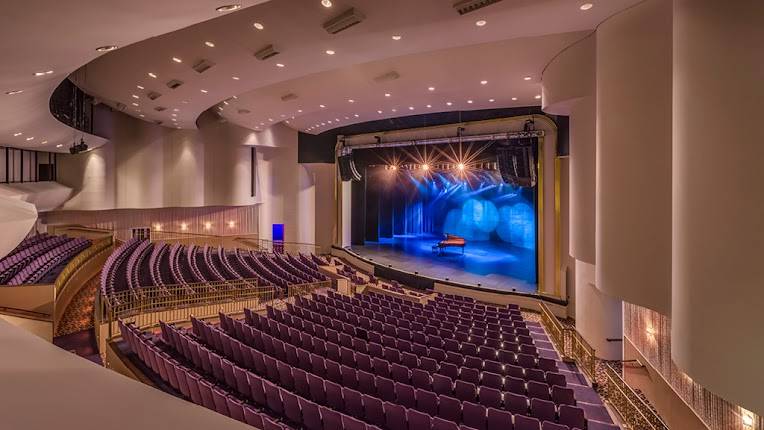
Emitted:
<point x="79" y="314"/>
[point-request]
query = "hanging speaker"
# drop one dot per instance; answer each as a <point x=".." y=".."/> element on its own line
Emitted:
<point x="517" y="162"/>
<point x="348" y="171"/>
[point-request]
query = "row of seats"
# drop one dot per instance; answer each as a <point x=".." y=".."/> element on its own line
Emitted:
<point x="39" y="259"/>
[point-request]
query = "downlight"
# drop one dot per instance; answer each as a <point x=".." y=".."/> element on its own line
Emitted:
<point x="228" y="8"/>
<point x="106" y="48"/>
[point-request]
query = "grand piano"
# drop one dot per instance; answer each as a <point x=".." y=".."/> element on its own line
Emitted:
<point x="450" y="240"/>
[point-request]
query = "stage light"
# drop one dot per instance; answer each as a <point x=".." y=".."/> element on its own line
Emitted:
<point x="425" y="167"/>
<point x="747" y="418"/>
<point x="586" y="6"/>
<point x="326" y="3"/>
<point x="393" y="167"/>
<point x="460" y="166"/>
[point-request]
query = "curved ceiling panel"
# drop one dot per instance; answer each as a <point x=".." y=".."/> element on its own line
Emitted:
<point x="54" y="38"/>
<point x="137" y="77"/>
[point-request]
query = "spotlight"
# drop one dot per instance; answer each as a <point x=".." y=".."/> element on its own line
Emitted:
<point x="326" y="3"/>
<point x="393" y="167"/>
<point x="460" y="166"/>
<point x="425" y="167"/>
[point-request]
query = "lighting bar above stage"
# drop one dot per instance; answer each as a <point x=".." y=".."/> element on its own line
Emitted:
<point x="343" y="147"/>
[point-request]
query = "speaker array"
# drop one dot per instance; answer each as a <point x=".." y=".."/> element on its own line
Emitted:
<point x="517" y="162"/>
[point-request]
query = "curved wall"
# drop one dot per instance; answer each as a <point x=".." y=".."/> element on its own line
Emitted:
<point x="717" y="304"/>
<point x="633" y="229"/>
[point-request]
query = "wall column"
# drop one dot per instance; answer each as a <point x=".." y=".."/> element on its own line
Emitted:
<point x="718" y="223"/>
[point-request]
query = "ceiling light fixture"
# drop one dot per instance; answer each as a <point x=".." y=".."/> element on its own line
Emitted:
<point x="106" y="48"/>
<point x="429" y="106"/>
<point x="279" y="65"/>
<point x="321" y="106"/>
<point x="299" y="110"/>
<point x="17" y="134"/>
<point x="43" y="142"/>
<point x="449" y="103"/>
<point x="177" y="60"/>
<point x="142" y="116"/>
<point x="491" y="100"/>
<point x="326" y="3"/>
<point x="235" y="78"/>
<point x="135" y="104"/>
<point x="14" y="92"/>
<point x="228" y="8"/>
<point x="135" y="96"/>
<point x="59" y="145"/>
<point x="258" y="26"/>
<point x="538" y="96"/>
<point x="139" y="87"/>
<point x="329" y="52"/>
<point x="397" y="37"/>
<point x="379" y="111"/>
<point x="153" y="75"/>
<point x="394" y="110"/>
<point x="586" y="6"/>
<point x="514" y="99"/>
<point x="47" y="72"/>
<point x="483" y="82"/>
<point x="527" y="78"/>
<point x="387" y="94"/>
<point x="209" y="44"/>
<point x="481" y="23"/>
<point x="430" y="88"/>
<point x="204" y="91"/>
<point x="30" y="138"/>
<point x="469" y="101"/>
<point x="356" y="115"/>
<point x="411" y="107"/>
<point x="351" y="101"/>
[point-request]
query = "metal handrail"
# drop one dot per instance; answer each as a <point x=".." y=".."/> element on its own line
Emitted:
<point x="76" y="263"/>
<point x="629" y="405"/>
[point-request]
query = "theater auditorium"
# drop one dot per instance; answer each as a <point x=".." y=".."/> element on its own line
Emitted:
<point x="381" y="215"/>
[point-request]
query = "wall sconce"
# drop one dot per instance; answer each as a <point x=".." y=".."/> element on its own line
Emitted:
<point x="650" y="331"/>
<point x="158" y="227"/>
<point x="747" y="419"/>
<point x="183" y="226"/>
<point x="231" y="224"/>
<point x="207" y="225"/>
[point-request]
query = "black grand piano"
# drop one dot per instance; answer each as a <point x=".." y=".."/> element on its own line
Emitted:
<point x="450" y="240"/>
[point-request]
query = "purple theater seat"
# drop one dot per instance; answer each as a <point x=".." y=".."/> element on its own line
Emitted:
<point x="537" y="375"/>
<point x="219" y="398"/>
<point x="428" y="364"/>
<point x="253" y="418"/>
<point x="291" y="407"/>
<point x="493" y="366"/>
<point x="514" y="385"/>
<point x="515" y="403"/>
<point x="332" y="419"/>
<point x="498" y="420"/>
<point x="257" y="391"/>
<point x="547" y="364"/>
<point x="470" y="375"/>
<point x="493" y="380"/>
<point x="363" y="361"/>
<point x="563" y="396"/>
<point x="572" y="416"/>
<point x="273" y="397"/>
<point x="311" y="415"/>
<point x="450" y="370"/>
<point x="367" y="383"/>
<point x="442" y="424"/>
<point x="317" y="364"/>
<point x="538" y="390"/>
<point x="442" y="384"/>
<point x="474" y="415"/>
<point x="449" y="408"/>
<point x="543" y="410"/>
<point x="421" y="379"/>
<point x="353" y="402"/>
<point x="427" y="402"/>
<point x="285" y="375"/>
<point x="395" y="416"/>
<point x="558" y="379"/>
<point x="385" y="388"/>
<point x="489" y="397"/>
<point x="418" y="420"/>
<point x="400" y="373"/>
<point x="349" y="423"/>
<point x="301" y="384"/>
<point x="465" y="391"/>
<point x="374" y="410"/>
<point x="317" y="388"/>
<point x="333" y="372"/>
<point x="523" y="422"/>
<point x="548" y="425"/>
<point x="334" y="397"/>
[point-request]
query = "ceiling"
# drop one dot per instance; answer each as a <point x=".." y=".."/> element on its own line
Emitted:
<point x="437" y="47"/>
<point x="61" y="36"/>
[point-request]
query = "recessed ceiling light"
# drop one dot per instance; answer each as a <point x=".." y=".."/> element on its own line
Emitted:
<point x="483" y="82"/>
<point x="326" y="3"/>
<point x="228" y="8"/>
<point x="469" y="101"/>
<point x="411" y="107"/>
<point x="429" y="106"/>
<point x="282" y="115"/>
<point x="177" y="60"/>
<point x="43" y="142"/>
<point x="387" y="94"/>
<point x="538" y="96"/>
<point x="209" y="44"/>
<point x="491" y="100"/>
<point x="351" y="101"/>
<point x="430" y="88"/>
<point x="397" y="37"/>
<point x="356" y="115"/>
<point x="47" y="72"/>
<point x="321" y="106"/>
<point x="139" y="87"/>
<point x="279" y="65"/>
<point x="204" y="91"/>
<point x="235" y="78"/>
<point x="379" y="111"/>
<point x="30" y="138"/>
<point x="135" y="104"/>
<point x="135" y="96"/>
<point x="481" y="23"/>
<point x="527" y="78"/>
<point x="14" y="92"/>
<point x="394" y="110"/>
<point x="142" y="116"/>
<point x="106" y="48"/>
<point x="175" y="114"/>
<point x="153" y="75"/>
<point x="299" y="110"/>
<point x="258" y="26"/>
<point x="329" y="121"/>
<point x="586" y="6"/>
<point x="17" y="134"/>
<point x="449" y="103"/>
<point x="514" y="98"/>
<point x="59" y="145"/>
<point x="329" y="52"/>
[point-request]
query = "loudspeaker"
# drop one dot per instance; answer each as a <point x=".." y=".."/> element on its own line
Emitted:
<point x="348" y="171"/>
<point x="517" y="162"/>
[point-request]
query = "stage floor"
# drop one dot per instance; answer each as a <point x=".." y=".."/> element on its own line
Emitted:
<point x="493" y="265"/>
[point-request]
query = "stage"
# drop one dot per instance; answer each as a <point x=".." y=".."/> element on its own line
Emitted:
<point x="493" y="265"/>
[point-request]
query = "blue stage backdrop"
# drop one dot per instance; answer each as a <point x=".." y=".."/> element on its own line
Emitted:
<point x="412" y="210"/>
